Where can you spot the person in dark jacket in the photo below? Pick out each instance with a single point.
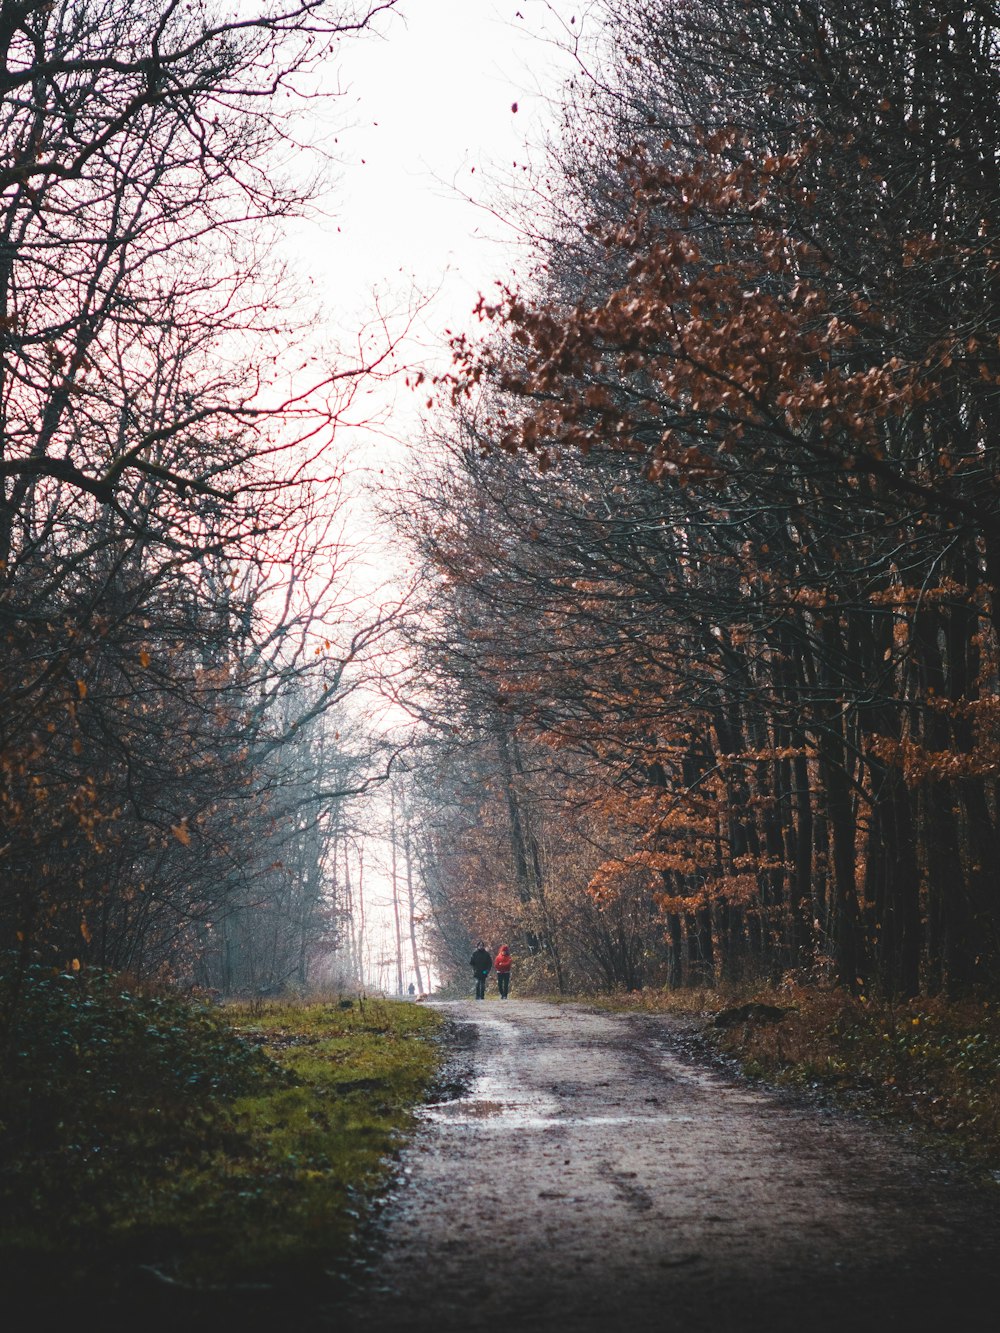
(481, 962)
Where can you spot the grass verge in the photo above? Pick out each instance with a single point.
(148, 1144)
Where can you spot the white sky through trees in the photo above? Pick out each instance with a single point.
(425, 135)
(428, 119)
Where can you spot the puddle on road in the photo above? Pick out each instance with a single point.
(462, 1110)
(500, 1103)
(471, 1111)
(511, 1116)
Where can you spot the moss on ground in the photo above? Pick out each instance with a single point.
(203, 1149)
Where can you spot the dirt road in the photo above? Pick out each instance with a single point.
(593, 1172)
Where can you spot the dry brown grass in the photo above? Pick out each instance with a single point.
(930, 1063)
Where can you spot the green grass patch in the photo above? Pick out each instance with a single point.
(202, 1148)
(320, 1148)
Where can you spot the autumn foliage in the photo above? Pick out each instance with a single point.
(170, 634)
(725, 474)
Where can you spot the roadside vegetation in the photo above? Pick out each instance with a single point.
(929, 1064)
(150, 1143)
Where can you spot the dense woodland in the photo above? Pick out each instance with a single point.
(705, 644)
(713, 559)
(693, 690)
(179, 635)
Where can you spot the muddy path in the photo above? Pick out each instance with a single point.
(591, 1171)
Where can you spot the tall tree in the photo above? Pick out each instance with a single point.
(739, 551)
(153, 473)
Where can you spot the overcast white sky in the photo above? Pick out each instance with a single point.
(427, 119)
(423, 128)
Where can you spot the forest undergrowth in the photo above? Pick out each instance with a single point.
(929, 1064)
(159, 1152)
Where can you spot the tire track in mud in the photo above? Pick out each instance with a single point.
(588, 1172)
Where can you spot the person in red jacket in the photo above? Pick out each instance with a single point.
(501, 965)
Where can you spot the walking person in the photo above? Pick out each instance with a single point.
(481, 962)
(502, 964)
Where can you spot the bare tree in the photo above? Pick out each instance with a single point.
(155, 474)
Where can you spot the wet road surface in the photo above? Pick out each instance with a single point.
(593, 1174)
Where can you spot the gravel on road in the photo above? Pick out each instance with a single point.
(592, 1171)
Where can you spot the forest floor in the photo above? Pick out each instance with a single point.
(592, 1170)
(801, 1161)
